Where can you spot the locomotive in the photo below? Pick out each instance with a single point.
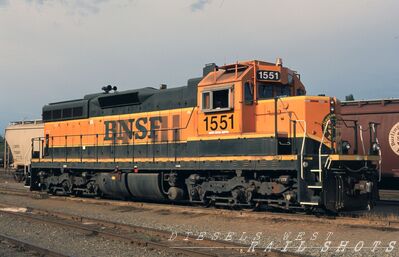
(242, 135)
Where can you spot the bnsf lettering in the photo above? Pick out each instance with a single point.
(123, 129)
(141, 129)
(155, 123)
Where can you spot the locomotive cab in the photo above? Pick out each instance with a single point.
(264, 107)
(230, 98)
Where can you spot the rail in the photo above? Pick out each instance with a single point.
(24, 244)
(151, 238)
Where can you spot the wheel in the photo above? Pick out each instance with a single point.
(66, 185)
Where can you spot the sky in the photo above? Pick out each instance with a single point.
(54, 50)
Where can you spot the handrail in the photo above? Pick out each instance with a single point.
(76, 138)
(379, 153)
(26, 162)
(29, 150)
(345, 120)
(361, 139)
(303, 143)
(321, 143)
(26, 122)
(78, 141)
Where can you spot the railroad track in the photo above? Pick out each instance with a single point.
(85, 225)
(363, 220)
(389, 195)
(16, 191)
(31, 247)
(137, 235)
(389, 202)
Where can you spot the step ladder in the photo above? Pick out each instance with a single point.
(318, 185)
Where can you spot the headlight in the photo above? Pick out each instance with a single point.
(332, 104)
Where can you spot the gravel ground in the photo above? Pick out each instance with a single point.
(66, 241)
(262, 232)
(9, 250)
(6, 176)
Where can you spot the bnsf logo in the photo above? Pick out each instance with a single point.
(140, 128)
(122, 129)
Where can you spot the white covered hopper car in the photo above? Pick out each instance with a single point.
(18, 145)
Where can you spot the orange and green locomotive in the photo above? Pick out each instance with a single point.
(243, 134)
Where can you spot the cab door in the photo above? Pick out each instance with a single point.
(248, 107)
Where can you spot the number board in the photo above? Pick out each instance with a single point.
(267, 75)
(221, 122)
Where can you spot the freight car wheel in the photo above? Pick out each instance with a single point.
(50, 190)
(19, 176)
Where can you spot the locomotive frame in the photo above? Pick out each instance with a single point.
(243, 134)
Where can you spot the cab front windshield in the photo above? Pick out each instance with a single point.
(271, 90)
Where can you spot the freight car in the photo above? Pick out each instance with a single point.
(386, 113)
(242, 135)
(17, 147)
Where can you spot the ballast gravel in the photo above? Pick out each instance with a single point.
(258, 235)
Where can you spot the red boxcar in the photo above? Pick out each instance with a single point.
(385, 112)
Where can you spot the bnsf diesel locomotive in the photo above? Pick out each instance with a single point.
(241, 135)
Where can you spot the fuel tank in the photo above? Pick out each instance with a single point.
(131, 185)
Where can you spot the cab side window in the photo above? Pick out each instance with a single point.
(283, 90)
(206, 100)
(220, 99)
(217, 100)
(265, 91)
(248, 93)
(300, 92)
